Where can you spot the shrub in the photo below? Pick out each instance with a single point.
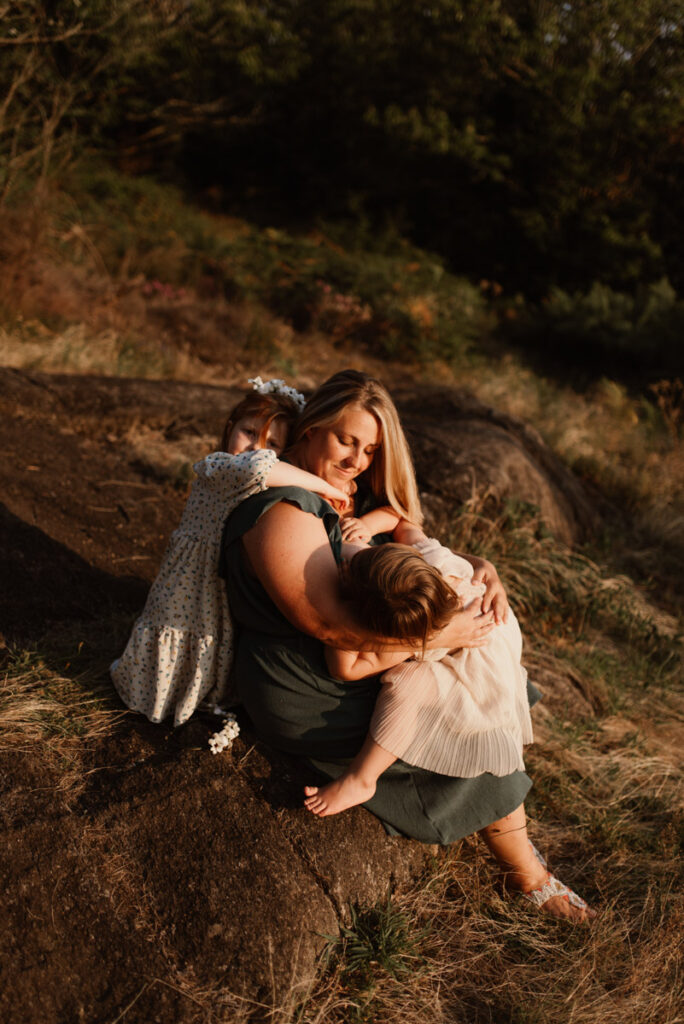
(633, 334)
(400, 303)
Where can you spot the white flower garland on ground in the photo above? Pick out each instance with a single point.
(223, 740)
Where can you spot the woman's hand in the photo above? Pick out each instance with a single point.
(354, 531)
(468, 628)
(494, 597)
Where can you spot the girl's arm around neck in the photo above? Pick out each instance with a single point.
(282, 474)
(381, 520)
(351, 665)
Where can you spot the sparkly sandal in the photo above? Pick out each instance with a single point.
(554, 887)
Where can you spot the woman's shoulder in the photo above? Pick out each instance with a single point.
(248, 512)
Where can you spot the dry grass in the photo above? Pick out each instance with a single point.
(165, 459)
(486, 958)
(560, 587)
(630, 448)
(608, 816)
(40, 704)
(81, 348)
(52, 720)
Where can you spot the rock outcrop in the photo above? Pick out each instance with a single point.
(164, 861)
(464, 449)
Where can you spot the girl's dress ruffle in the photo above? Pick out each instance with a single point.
(186, 669)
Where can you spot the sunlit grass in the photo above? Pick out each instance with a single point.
(58, 693)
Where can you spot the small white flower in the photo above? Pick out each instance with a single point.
(224, 739)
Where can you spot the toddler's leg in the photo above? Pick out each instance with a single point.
(355, 785)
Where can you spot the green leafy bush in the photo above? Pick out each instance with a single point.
(643, 331)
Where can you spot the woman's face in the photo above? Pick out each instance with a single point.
(342, 451)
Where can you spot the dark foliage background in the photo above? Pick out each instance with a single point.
(536, 144)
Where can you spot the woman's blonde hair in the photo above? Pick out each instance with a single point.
(397, 594)
(390, 475)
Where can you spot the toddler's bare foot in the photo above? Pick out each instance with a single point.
(345, 792)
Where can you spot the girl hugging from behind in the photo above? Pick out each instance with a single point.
(458, 713)
(180, 649)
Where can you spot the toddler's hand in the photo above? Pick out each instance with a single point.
(354, 531)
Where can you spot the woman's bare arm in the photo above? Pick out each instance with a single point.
(289, 552)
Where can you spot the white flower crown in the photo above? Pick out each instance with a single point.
(277, 387)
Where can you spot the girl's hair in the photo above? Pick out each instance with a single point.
(397, 594)
(271, 406)
(390, 475)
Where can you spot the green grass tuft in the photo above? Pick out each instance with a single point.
(378, 939)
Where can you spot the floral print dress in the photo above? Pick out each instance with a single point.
(181, 648)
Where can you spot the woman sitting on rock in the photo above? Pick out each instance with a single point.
(280, 556)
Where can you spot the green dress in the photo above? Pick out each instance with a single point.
(296, 705)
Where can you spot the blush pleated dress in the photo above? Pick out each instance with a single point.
(458, 714)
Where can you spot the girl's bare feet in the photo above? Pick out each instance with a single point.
(347, 791)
